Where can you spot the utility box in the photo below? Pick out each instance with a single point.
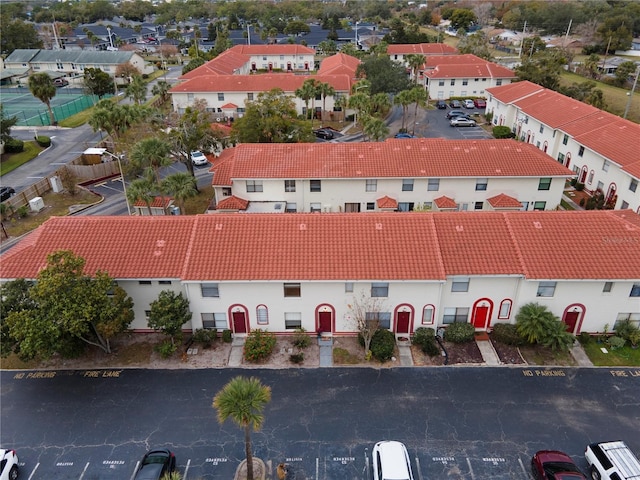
(36, 204)
(56, 184)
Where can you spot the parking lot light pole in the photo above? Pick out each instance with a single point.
(124, 184)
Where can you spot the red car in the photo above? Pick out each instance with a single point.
(554, 465)
(480, 103)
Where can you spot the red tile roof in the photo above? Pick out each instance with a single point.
(157, 202)
(472, 70)
(445, 202)
(504, 201)
(420, 48)
(387, 202)
(339, 63)
(232, 203)
(224, 64)
(340, 247)
(409, 158)
(288, 82)
(513, 91)
(434, 60)
(274, 49)
(553, 108)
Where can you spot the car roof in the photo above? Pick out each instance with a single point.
(393, 459)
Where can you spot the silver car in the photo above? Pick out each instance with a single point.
(462, 122)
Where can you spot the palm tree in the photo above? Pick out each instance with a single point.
(243, 400)
(420, 98)
(325, 90)
(404, 98)
(380, 104)
(533, 321)
(114, 118)
(341, 103)
(42, 87)
(415, 61)
(181, 186)
(161, 89)
(140, 189)
(151, 154)
(137, 89)
(361, 103)
(307, 92)
(375, 128)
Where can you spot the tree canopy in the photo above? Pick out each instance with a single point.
(97, 82)
(169, 313)
(65, 310)
(384, 75)
(42, 87)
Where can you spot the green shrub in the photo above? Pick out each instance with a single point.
(296, 358)
(584, 338)
(459, 332)
(383, 344)
(205, 337)
(624, 329)
(23, 211)
(423, 336)
(166, 348)
(226, 336)
(13, 145)
(43, 141)
(502, 131)
(431, 348)
(259, 345)
(507, 333)
(616, 342)
(579, 186)
(573, 182)
(301, 339)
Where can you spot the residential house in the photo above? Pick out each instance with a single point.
(399, 51)
(601, 148)
(402, 175)
(71, 64)
(284, 272)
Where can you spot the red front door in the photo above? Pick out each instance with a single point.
(324, 322)
(571, 319)
(402, 325)
(480, 317)
(239, 322)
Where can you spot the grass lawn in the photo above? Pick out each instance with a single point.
(614, 97)
(620, 357)
(11, 161)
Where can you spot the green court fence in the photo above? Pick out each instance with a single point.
(28, 116)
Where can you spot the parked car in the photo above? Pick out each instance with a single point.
(8, 464)
(324, 133)
(391, 461)
(456, 113)
(554, 465)
(612, 460)
(480, 103)
(441, 105)
(468, 103)
(455, 104)
(6, 193)
(404, 135)
(461, 121)
(61, 82)
(156, 464)
(198, 158)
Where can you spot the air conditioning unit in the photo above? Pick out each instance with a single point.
(36, 204)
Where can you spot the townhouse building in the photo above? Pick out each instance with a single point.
(601, 149)
(283, 272)
(395, 175)
(399, 51)
(71, 64)
(228, 81)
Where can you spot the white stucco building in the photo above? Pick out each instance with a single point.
(602, 149)
(282, 272)
(403, 175)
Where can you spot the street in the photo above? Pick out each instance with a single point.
(457, 422)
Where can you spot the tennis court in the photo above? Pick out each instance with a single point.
(30, 111)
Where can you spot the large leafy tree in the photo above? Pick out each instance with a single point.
(271, 118)
(476, 44)
(384, 74)
(68, 307)
(42, 87)
(14, 297)
(243, 401)
(97, 82)
(462, 18)
(16, 34)
(5, 124)
(543, 68)
(169, 313)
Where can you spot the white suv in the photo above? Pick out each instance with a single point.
(391, 461)
(198, 158)
(612, 460)
(8, 464)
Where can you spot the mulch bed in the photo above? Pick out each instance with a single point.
(508, 354)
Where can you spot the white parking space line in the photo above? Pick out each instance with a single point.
(186, 470)
(135, 470)
(473, 475)
(84, 471)
(33, 472)
(524, 470)
(317, 468)
(419, 469)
